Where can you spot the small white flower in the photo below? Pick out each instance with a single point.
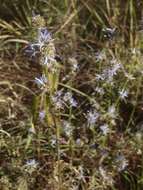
(123, 94)
(41, 82)
(105, 129)
(111, 109)
(68, 98)
(42, 115)
(32, 130)
(79, 142)
(100, 77)
(99, 90)
(57, 100)
(73, 102)
(112, 112)
(115, 66)
(58, 104)
(32, 163)
(109, 72)
(75, 67)
(53, 140)
(92, 117)
(115, 69)
(67, 128)
(100, 56)
(121, 162)
(74, 64)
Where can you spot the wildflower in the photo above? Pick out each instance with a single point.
(41, 82)
(99, 90)
(74, 64)
(42, 115)
(58, 103)
(73, 102)
(68, 98)
(108, 73)
(30, 166)
(59, 93)
(79, 142)
(32, 130)
(112, 111)
(53, 140)
(66, 77)
(115, 69)
(92, 117)
(123, 94)
(75, 67)
(43, 36)
(105, 129)
(116, 65)
(67, 128)
(57, 100)
(99, 77)
(100, 56)
(121, 162)
(32, 163)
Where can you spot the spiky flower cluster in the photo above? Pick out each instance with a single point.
(61, 99)
(109, 72)
(44, 46)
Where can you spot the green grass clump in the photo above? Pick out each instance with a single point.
(71, 98)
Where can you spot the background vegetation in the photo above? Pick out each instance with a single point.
(83, 129)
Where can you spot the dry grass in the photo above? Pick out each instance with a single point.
(68, 149)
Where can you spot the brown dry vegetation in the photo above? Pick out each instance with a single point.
(87, 159)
